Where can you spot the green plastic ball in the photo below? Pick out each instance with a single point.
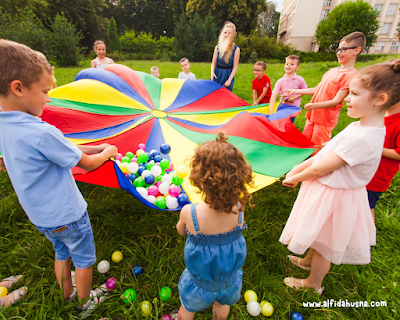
(129, 296)
(161, 202)
(150, 165)
(126, 159)
(138, 182)
(164, 164)
(165, 293)
(129, 155)
(176, 180)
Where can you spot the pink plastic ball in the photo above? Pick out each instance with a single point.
(170, 168)
(111, 283)
(142, 146)
(174, 191)
(134, 160)
(152, 191)
(158, 183)
(165, 317)
(119, 156)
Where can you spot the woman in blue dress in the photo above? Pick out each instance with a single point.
(226, 56)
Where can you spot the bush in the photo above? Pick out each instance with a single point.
(115, 44)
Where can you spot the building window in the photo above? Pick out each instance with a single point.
(378, 7)
(327, 3)
(380, 45)
(391, 10)
(395, 45)
(324, 14)
(385, 28)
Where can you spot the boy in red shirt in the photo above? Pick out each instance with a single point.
(261, 85)
(390, 161)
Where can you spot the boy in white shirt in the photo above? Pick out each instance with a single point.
(186, 74)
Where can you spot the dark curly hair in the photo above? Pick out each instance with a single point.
(219, 170)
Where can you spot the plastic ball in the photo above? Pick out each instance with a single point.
(149, 179)
(119, 156)
(137, 270)
(103, 266)
(164, 164)
(145, 308)
(129, 296)
(183, 199)
(250, 295)
(118, 163)
(143, 157)
(296, 316)
(132, 177)
(134, 160)
(163, 188)
(172, 203)
(165, 148)
(111, 283)
(266, 308)
(161, 202)
(152, 190)
(124, 167)
(3, 291)
(170, 168)
(174, 191)
(151, 199)
(142, 191)
(156, 170)
(142, 146)
(154, 152)
(253, 308)
(165, 317)
(182, 171)
(157, 158)
(145, 173)
(133, 167)
(138, 182)
(150, 165)
(125, 159)
(129, 155)
(157, 184)
(165, 293)
(117, 256)
(176, 180)
(139, 152)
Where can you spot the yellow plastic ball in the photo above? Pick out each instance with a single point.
(3, 291)
(181, 171)
(124, 167)
(139, 152)
(117, 256)
(266, 308)
(250, 295)
(145, 308)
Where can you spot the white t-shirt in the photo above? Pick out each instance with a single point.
(190, 76)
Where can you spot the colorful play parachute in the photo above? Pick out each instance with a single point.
(124, 107)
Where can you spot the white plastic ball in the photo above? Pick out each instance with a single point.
(103, 266)
(118, 162)
(145, 173)
(172, 202)
(142, 191)
(156, 171)
(253, 308)
(166, 178)
(151, 199)
(163, 188)
(133, 167)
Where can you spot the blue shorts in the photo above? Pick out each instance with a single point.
(74, 240)
(373, 198)
(195, 296)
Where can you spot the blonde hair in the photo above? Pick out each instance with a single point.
(183, 60)
(97, 42)
(154, 68)
(225, 47)
(19, 62)
(262, 64)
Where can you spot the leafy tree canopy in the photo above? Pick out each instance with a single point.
(268, 21)
(345, 18)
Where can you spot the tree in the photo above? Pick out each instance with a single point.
(345, 18)
(243, 13)
(115, 44)
(268, 21)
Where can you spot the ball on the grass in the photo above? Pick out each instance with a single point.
(129, 296)
(137, 270)
(266, 308)
(145, 308)
(103, 266)
(296, 316)
(165, 317)
(111, 283)
(165, 293)
(3, 291)
(250, 295)
(253, 308)
(117, 256)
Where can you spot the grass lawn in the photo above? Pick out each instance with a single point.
(149, 238)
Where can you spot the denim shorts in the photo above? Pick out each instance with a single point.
(373, 198)
(195, 297)
(74, 240)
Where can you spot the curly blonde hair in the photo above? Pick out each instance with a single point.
(220, 171)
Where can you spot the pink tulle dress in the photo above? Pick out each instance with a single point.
(331, 214)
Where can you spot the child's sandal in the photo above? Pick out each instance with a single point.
(17, 295)
(12, 280)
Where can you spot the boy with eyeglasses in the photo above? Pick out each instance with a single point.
(261, 85)
(326, 103)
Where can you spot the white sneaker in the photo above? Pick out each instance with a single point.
(96, 297)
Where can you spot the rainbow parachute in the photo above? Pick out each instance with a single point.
(124, 107)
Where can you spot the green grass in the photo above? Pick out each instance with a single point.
(148, 237)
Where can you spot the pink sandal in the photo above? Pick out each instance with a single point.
(12, 280)
(296, 261)
(17, 295)
(289, 281)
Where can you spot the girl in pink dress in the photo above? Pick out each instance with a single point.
(331, 215)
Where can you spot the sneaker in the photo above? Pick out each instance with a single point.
(96, 297)
(174, 314)
(72, 297)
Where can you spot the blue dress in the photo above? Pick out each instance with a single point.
(213, 267)
(224, 70)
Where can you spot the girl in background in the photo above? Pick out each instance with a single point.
(226, 56)
(101, 61)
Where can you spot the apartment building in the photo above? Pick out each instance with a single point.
(299, 19)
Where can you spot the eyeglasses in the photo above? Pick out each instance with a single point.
(257, 70)
(343, 50)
